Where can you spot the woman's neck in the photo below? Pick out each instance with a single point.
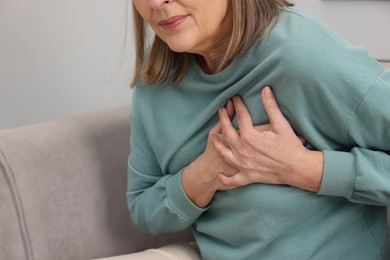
(210, 60)
(207, 65)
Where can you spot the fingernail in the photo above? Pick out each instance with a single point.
(267, 91)
(219, 111)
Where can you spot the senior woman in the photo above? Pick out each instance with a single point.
(303, 177)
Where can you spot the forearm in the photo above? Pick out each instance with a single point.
(360, 175)
(158, 205)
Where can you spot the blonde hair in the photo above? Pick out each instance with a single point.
(250, 19)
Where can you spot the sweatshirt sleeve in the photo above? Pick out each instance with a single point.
(157, 203)
(362, 174)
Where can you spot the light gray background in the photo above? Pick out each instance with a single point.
(365, 23)
(60, 58)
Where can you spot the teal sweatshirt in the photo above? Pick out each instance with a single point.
(331, 92)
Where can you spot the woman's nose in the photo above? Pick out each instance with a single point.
(158, 4)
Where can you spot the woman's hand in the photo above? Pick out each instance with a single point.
(200, 178)
(269, 153)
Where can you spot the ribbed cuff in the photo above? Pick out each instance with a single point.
(339, 174)
(179, 201)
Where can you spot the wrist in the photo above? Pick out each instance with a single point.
(308, 171)
(199, 188)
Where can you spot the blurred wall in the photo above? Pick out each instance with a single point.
(363, 22)
(60, 58)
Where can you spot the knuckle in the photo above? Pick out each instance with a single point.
(246, 138)
(252, 178)
(247, 165)
(234, 182)
(269, 104)
(224, 154)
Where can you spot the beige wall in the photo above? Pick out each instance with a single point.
(59, 58)
(363, 22)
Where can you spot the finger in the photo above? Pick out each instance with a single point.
(236, 180)
(226, 180)
(229, 132)
(302, 140)
(231, 112)
(275, 116)
(244, 118)
(216, 129)
(224, 151)
(230, 109)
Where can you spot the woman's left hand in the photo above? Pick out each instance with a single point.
(270, 153)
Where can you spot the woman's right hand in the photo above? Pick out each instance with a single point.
(200, 178)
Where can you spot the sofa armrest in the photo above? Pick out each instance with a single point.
(62, 190)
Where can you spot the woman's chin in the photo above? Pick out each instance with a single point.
(180, 48)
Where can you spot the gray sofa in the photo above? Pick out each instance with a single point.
(62, 190)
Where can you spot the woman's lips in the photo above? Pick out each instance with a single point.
(173, 22)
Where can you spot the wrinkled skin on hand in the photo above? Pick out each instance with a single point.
(270, 153)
